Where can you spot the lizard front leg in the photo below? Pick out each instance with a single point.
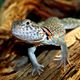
(36, 66)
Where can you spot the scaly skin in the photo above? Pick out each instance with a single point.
(49, 32)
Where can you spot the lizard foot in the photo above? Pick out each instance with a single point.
(37, 69)
(62, 60)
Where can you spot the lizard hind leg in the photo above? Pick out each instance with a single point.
(63, 56)
(64, 52)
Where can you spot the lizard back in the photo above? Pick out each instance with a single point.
(55, 27)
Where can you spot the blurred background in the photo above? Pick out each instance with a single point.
(11, 48)
(1, 2)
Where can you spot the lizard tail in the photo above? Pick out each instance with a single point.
(70, 23)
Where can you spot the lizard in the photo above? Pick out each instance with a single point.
(49, 32)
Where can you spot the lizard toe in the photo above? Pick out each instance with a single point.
(37, 69)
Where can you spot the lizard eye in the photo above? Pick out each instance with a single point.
(27, 23)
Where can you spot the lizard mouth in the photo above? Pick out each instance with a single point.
(15, 33)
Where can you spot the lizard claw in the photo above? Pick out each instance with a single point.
(37, 69)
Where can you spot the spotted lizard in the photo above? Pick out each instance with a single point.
(49, 32)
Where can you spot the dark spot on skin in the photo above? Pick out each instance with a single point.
(22, 24)
(23, 32)
(26, 33)
(26, 28)
(23, 29)
(30, 27)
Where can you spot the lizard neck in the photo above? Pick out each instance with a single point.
(48, 33)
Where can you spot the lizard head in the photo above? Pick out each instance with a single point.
(27, 30)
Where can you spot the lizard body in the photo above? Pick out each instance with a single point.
(49, 32)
